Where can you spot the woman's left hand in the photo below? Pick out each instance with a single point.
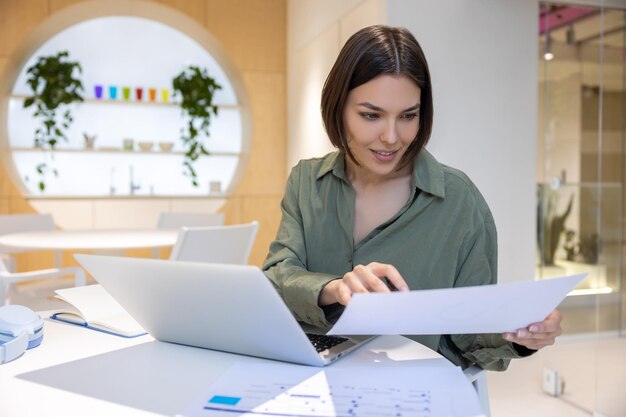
(538, 335)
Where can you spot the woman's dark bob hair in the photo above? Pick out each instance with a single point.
(370, 52)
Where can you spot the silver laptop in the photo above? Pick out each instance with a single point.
(231, 308)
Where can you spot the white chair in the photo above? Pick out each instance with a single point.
(217, 244)
(478, 377)
(16, 223)
(178, 220)
(7, 277)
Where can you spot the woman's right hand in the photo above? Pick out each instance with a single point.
(363, 278)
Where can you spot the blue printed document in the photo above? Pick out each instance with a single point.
(287, 390)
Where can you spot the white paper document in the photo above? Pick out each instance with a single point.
(480, 309)
(282, 390)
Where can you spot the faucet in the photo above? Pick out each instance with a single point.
(133, 187)
(112, 181)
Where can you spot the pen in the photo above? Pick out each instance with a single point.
(389, 284)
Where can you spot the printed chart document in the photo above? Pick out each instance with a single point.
(480, 309)
(93, 307)
(301, 391)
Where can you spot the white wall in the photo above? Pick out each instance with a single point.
(316, 31)
(483, 61)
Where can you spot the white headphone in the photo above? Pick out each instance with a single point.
(20, 329)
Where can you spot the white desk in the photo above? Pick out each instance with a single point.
(80, 372)
(90, 239)
(112, 242)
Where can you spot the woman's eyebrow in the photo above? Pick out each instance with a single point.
(376, 108)
(414, 107)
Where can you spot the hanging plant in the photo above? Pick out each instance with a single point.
(196, 89)
(54, 88)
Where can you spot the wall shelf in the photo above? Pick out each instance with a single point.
(115, 151)
(94, 172)
(91, 100)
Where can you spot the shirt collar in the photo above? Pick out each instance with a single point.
(427, 172)
(334, 162)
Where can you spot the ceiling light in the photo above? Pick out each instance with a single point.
(548, 55)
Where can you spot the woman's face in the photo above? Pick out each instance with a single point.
(381, 118)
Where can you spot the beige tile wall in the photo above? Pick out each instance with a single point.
(253, 33)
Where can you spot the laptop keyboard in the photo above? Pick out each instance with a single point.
(322, 342)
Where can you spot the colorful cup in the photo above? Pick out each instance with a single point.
(126, 93)
(165, 95)
(98, 91)
(112, 92)
(152, 94)
(138, 93)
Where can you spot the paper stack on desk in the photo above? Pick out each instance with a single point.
(481, 309)
(262, 390)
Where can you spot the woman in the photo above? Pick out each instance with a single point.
(381, 213)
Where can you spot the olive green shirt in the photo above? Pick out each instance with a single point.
(443, 237)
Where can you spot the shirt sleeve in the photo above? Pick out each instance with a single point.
(286, 262)
(478, 266)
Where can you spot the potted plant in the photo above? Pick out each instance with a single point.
(54, 87)
(196, 89)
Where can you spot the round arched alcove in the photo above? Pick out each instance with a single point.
(129, 57)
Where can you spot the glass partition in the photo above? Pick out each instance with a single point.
(581, 169)
(581, 174)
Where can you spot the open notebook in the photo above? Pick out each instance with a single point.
(93, 307)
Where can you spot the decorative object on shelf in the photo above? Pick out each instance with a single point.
(166, 146)
(550, 225)
(138, 93)
(570, 245)
(54, 88)
(152, 94)
(126, 93)
(128, 144)
(112, 92)
(590, 248)
(98, 91)
(215, 187)
(145, 146)
(196, 89)
(165, 95)
(585, 250)
(90, 140)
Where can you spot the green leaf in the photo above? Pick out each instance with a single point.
(196, 88)
(54, 86)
